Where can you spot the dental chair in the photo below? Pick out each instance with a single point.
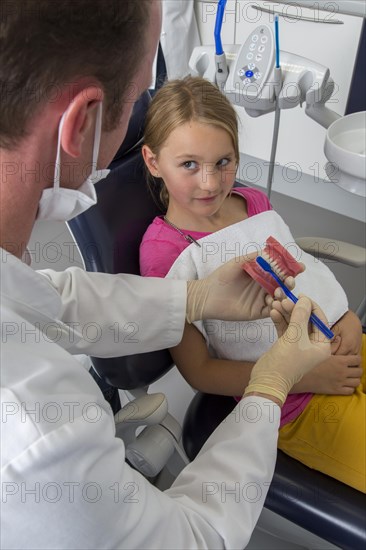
(108, 237)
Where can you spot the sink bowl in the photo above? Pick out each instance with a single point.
(344, 147)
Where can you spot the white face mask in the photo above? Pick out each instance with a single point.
(61, 204)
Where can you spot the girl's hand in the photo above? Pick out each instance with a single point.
(300, 347)
(340, 374)
(337, 375)
(348, 335)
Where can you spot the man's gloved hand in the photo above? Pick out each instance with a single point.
(229, 294)
(301, 346)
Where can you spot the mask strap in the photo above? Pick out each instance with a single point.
(56, 178)
(97, 135)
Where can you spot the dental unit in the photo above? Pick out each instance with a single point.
(261, 78)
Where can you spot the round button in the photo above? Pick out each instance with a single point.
(264, 39)
(255, 38)
(249, 74)
(252, 47)
(258, 57)
(251, 66)
(261, 49)
(250, 56)
(257, 76)
(241, 72)
(247, 81)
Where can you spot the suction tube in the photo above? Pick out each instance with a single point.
(220, 57)
(218, 25)
(277, 38)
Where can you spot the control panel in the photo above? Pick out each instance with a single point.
(255, 62)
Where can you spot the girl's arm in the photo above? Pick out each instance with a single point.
(227, 377)
(341, 373)
(202, 372)
(337, 375)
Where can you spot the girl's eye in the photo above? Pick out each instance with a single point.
(190, 165)
(223, 162)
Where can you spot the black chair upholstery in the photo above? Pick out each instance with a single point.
(316, 502)
(135, 132)
(108, 236)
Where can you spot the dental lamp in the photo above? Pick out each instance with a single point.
(259, 77)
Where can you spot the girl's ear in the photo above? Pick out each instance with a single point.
(150, 160)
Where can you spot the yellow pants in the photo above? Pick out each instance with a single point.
(330, 434)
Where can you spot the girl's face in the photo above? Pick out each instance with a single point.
(198, 165)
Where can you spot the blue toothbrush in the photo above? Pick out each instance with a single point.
(313, 318)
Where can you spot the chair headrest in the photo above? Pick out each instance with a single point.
(135, 130)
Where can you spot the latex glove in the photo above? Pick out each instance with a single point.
(229, 294)
(301, 346)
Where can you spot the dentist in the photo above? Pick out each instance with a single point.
(69, 71)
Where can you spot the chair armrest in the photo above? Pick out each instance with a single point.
(332, 249)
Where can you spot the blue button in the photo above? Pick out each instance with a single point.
(249, 74)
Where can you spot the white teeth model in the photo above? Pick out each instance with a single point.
(274, 265)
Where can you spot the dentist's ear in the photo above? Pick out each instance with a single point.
(150, 160)
(80, 118)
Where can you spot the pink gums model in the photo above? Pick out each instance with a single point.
(281, 261)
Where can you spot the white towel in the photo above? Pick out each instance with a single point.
(249, 340)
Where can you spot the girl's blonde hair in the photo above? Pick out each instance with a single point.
(182, 101)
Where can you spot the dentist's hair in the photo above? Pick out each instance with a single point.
(47, 44)
(182, 101)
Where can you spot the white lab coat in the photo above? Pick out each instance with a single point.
(179, 35)
(65, 483)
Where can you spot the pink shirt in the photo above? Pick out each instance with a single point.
(162, 244)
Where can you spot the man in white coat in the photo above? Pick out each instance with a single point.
(179, 20)
(64, 480)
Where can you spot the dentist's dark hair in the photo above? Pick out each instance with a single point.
(47, 44)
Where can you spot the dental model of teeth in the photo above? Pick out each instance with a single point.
(281, 261)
